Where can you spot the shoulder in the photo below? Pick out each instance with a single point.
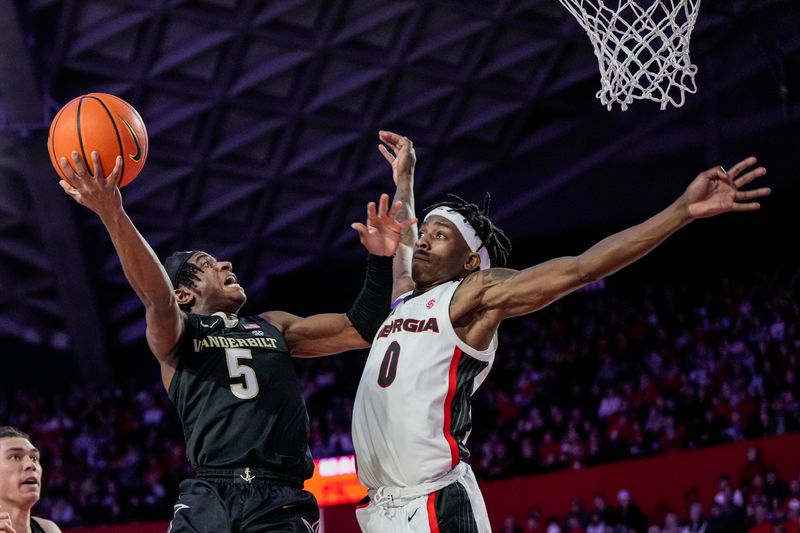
(279, 319)
(480, 280)
(48, 525)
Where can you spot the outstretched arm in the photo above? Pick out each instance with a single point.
(165, 321)
(331, 333)
(400, 154)
(495, 294)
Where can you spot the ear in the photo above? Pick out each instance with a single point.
(184, 296)
(473, 263)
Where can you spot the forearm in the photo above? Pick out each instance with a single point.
(623, 248)
(139, 262)
(371, 307)
(402, 260)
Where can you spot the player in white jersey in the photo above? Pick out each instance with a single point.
(411, 417)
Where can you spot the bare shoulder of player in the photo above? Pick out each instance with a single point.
(470, 293)
(48, 525)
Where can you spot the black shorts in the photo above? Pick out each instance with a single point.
(233, 504)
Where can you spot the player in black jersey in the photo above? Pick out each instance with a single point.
(230, 376)
(20, 484)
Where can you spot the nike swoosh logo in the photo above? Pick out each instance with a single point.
(412, 514)
(138, 155)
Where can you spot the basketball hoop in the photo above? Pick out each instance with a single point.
(642, 47)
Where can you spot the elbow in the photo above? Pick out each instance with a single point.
(584, 272)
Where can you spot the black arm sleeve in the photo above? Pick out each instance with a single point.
(372, 304)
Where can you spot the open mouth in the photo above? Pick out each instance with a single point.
(231, 281)
(30, 481)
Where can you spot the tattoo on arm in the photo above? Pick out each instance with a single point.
(497, 275)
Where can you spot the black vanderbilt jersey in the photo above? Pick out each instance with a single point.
(239, 398)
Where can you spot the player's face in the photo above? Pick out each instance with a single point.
(20, 472)
(440, 253)
(218, 288)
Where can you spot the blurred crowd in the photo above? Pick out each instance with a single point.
(755, 501)
(601, 376)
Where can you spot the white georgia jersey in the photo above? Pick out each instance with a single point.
(411, 417)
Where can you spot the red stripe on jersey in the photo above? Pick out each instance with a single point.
(448, 404)
(433, 523)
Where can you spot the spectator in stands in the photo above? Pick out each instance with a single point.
(510, 524)
(629, 513)
(761, 520)
(776, 490)
(697, 522)
(792, 520)
(608, 515)
(20, 484)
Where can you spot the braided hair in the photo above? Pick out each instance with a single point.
(187, 276)
(492, 237)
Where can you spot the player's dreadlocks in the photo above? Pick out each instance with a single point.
(187, 276)
(492, 237)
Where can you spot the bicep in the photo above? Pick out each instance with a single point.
(322, 334)
(514, 293)
(164, 331)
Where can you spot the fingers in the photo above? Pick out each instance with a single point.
(750, 176)
(397, 142)
(389, 137)
(383, 208)
(744, 196)
(96, 163)
(408, 223)
(361, 229)
(739, 167)
(113, 178)
(6, 526)
(395, 210)
(389, 157)
(80, 166)
(749, 206)
(67, 169)
(70, 190)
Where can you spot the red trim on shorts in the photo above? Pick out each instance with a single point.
(433, 523)
(363, 505)
(448, 404)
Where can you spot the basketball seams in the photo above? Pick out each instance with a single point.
(82, 126)
(80, 135)
(116, 131)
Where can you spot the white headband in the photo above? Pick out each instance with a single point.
(467, 231)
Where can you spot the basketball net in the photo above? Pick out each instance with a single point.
(643, 52)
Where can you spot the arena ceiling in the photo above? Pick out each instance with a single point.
(263, 120)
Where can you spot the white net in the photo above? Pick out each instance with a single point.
(642, 47)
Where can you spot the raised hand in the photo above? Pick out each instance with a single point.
(98, 193)
(717, 191)
(381, 235)
(402, 156)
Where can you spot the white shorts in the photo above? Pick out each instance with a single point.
(453, 504)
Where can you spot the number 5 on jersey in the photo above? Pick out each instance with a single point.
(249, 390)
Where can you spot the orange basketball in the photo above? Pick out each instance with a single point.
(103, 123)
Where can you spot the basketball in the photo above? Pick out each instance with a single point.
(103, 123)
